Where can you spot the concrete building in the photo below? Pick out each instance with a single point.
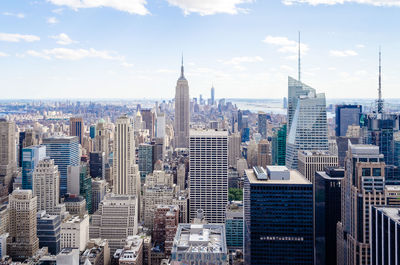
(199, 244)
(310, 162)
(77, 128)
(75, 232)
(22, 242)
(3, 245)
(8, 159)
(182, 112)
(102, 139)
(149, 119)
(98, 192)
(75, 204)
(285, 197)
(181, 176)
(264, 153)
(160, 125)
(115, 220)
(131, 253)
(234, 149)
(392, 195)
(68, 256)
(97, 252)
(208, 169)
(166, 219)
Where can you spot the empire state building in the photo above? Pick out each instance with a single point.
(182, 111)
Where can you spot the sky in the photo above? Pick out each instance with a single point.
(244, 48)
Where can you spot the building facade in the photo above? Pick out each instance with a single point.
(182, 112)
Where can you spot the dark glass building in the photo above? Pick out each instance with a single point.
(327, 203)
(97, 164)
(48, 231)
(346, 115)
(278, 217)
(262, 124)
(279, 146)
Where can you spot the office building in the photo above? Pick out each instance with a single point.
(263, 153)
(115, 220)
(64, 150)
(208, 169)
(392, 195)
(30, 158)
(313, 161)
(278, 151)
(327, 203)
(75, 204)
(8, 159)
(131, 253)
(160, 126)
(97, 161)
(262, 124)
(3, 245)
(80, 183)
(68, 256)
(234, 225)
(385, 235)
(124, 154)
(97, 252)
(75, 232)
(362, 187)
(212, 97)
(98, 193)
(48, 231)
(234, 154)
(307, 122)
(166, 220)
(273, 199)
(102, 139)
(23, 241)
(145, 159)
(149, 119)
(343, 145)
(199, 244)
(4, 219)
(182, 112)
(77, 128)
(92, 131)
(346, 115)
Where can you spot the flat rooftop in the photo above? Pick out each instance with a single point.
(391, 211)
(295, 178)
(316, 153)
(208, 133)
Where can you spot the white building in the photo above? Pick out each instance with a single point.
(98, 192)
(73, 179)
(75, 232)
(208, 169)
(3, 245)
(160, 125)
(68, 256)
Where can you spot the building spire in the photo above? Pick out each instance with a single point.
(380, 100)
(299, 62)
(182, 70)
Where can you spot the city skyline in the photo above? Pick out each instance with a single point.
(132, 48)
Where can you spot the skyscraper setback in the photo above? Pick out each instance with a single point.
(182, 111)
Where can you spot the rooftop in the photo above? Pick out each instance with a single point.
(295, 177)
(316, 153)
(393, 212)
(204, 133)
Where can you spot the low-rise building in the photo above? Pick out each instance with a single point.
(75, 232)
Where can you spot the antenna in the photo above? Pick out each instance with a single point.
(299, 63)
(380, 100)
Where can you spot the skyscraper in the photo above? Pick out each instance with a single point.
(23, 241)
(279, 146)
(278, 217)
(208, 169)
(149, 118)
(263, 153)
(102, 138)
(8, 159)
(97, 161)
(124, 154)
(346, 115)
(312, 161)
(212, 95)
(48, 231)
(30, 158)
(307, 126)
(64, 150)
(145, 158)
(77, 128)
(262, 124)
(182, 112)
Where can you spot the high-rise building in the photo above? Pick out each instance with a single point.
(97, 161)
(102, 138)
(23, 241)
(77, 128)
(30, 158)
(208, 169)
(346, 115)
(46, 186)
(278, 217)
(8, 159)
(313, 161)
(160, 126)
(234, 225)
(262, 124)
(166, 219)
(279, 146)
(75, 232)
(149, 118)
(92, 131)
(385, 235)
(233, 149)
(145, 159)
(48, 231)
(98, 193)
(80, 183)
(327, 203)
(263, 153)
(212, 97)
(124, 154)
(64, 150)
(115, 220)
(182, 112)
(362, 187)
(308, 129)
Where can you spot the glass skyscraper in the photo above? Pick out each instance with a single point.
(65, 152)
(279, 146)
(30, 158)
(346, 115)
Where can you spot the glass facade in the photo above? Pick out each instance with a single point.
(145, 155)
(48, 232)
(279, 146)
(234, 233)
(85, 187)
(346, 115)
(30, 158)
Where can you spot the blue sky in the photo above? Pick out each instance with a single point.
(246, 48)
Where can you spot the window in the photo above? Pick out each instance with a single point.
(376, 172)
(366, 172)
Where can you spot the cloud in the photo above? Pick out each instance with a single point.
(2, 54)
(130, 6)
(210, 7)
(286, 46)
(244, 59)
(58, 11)
(286, 68)
(52, 20)
(18, 15)
(345, 53)
(335, 2)
(360, 46)
(75, 54)
(127, 65)
(18, 37)
(63, 39)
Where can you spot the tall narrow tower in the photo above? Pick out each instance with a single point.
(380, 100)
(182, 114)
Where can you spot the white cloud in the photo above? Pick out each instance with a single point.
(10, 37)
(210, 7)
(286, 68)
(345, 53)
(335, 2)
(18, 15)
(58, 11)
(244, 59)
(52, 20)
(286, 46)
(280, 41)
(130, 6)
(360, 46)
(75, 54)
(2, 54)
(127, 65)
(63, 39)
